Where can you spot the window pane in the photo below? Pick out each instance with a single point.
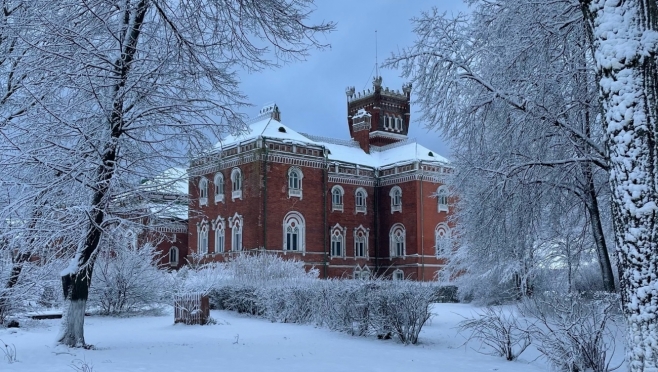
(288, 243)
(294, 242)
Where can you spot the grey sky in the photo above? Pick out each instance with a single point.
(311, 94)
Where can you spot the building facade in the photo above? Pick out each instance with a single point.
(372, 205)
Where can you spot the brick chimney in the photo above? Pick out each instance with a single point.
(361, 129)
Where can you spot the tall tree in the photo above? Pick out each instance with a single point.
(126, 89)
(515, 74)
(625, 41)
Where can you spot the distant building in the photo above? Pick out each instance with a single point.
(375, 204)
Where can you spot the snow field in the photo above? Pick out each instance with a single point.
(242, 343)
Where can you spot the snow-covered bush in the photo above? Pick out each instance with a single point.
(126, 278)
(197, 278)
(243, 299)
(402, 307)
(267, 268)
(573, 333)
(506, 333)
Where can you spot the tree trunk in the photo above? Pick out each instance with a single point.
(597, 232)
(625, 35)
(76, 283)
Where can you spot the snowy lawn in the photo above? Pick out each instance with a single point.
(241, 343)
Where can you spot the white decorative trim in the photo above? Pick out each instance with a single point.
(237, 183)
(337, 234)
(219, 226)
(295, 191)
(294, 220)
(442, 239)
(360, 208)
(337, 206)
(442, 198)
(236, 223)
(352, 180)
(365, 234)
(395, 193)
(397, 234)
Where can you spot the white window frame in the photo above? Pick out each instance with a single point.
(173, 251)
(337, 234)
(237, 183)
(442, 199)
(397, 234)
(295, 172)
(218, 181)
(442, 239)
(236, 224)
(363, 207)
(365, 273)
(294, 220)
(398, 124)
(202, 237)
(219, 226)
(361, 233)
(203, 191)
(396, 199)
(398, 275)
(337, 189)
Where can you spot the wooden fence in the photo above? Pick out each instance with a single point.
(191, 308)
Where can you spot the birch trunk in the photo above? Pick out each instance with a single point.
(625, 35)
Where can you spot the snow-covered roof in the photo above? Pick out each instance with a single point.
(388, 155)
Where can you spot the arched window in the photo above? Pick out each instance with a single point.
(173, 256)
(236, 181)
(295, 176)
(360, 200)
(235, 223)
(442, 198)
(398, 123)
(396, 199)
(219, 188)
(337, 241)
(442, 239)
(202, 228)
(397, 240)
(337, 193)
(220, 234)
(361, 241)
(203, 191)
(398, 275)
(294, 232)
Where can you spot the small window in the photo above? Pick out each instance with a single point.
(398, 275)
(337, 193)
(337, 241)
(295, 176)
(173, 256)
(219, 188)
(294, 230)
(203, 191)
(442, 238)
(282, 129)
(442, 199)
(396, 199)
(236, 232)
(203, 238)
(360, 200)
(397, 240)
(220, 234)
(236, 181)
(361, 242)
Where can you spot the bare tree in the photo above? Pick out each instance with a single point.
(511, 87)
(126, 89)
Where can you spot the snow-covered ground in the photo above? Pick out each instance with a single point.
(241, 343)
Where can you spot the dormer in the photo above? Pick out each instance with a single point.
(389, 113)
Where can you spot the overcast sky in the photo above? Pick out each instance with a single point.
(311, 94)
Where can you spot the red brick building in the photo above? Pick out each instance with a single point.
(375, 204)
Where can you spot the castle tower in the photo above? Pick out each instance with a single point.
(388, 114)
